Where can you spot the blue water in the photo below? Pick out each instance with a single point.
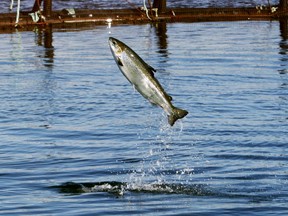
(77, 139)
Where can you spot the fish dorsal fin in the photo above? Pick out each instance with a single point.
(151, 70)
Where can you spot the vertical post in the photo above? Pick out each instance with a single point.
(161, 5)
(283, 5)
(36, 6)
(47, 8)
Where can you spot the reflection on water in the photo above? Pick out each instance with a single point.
(283, 46)
(16, 51)
(44, 37)
(161, 33)
(283, 71)
(49, 49)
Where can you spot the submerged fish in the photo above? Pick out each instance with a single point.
(141, 76)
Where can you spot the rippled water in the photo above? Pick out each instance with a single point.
(76, 139)
(104, 4)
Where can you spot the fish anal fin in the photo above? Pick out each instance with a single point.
(169, 97)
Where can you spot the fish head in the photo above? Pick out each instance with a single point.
(117, 49)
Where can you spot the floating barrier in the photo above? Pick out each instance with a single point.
(71, 17)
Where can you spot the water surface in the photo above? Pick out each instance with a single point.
(76, 139)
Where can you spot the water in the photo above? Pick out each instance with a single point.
(76, 139)
(104, 4)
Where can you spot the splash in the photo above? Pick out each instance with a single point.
(157, 172)
(157, 167)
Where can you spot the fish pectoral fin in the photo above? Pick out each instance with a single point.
(119, 62)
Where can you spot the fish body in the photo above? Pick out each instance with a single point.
(141, 76)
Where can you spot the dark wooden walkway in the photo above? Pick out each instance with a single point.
(61, 19)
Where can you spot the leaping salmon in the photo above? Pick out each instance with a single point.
(141, 76)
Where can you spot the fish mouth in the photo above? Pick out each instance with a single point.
(116, 50)
(113, 43)
(119, 47)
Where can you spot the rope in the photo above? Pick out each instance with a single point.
(135, 7)
(18, 13)
(146, 10)
(11, 5)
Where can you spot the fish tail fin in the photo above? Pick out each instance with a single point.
(176, 114)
